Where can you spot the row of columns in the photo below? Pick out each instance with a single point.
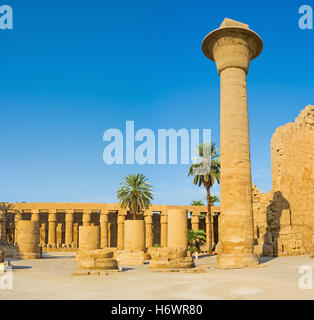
(104, 220)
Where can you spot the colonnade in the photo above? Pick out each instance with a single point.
(55, 233)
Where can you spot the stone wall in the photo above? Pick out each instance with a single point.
(284, 217)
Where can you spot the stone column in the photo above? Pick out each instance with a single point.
(134, 235)
(89, 238)
(121, 219)
(3, 229)
(28, 240)
(52, 224)
(86, 218)
(35, 216)
(195, 220)
(17, 218)
(177, 228)
(148, 229)
(164, 229)
(69, 219)
(104, 218)
(42, 234)
(232, 46)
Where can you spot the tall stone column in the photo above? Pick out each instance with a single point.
(195, 220)
(52, 224)
(164, 229)
(148, 229)
(104, 218)
(232, 46)
(86, 218)
(121, 219)
(69, 219)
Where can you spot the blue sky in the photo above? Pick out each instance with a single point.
(72, 69)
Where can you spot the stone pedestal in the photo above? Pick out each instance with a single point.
(89, 238)
(169, 258)
(130, 257)
(175, 255)
(101, 259)
(28, 240)
(232, 46)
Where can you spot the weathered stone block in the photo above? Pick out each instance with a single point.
(101, 259)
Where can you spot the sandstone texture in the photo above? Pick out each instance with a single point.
(169, 258)
(284, 217)
(101, 259)
(232, 47)
(130, 257)
(27, 241)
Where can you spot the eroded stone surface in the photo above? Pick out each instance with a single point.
(169, 258)
(101, 259)
(284, 217)
(130, 257)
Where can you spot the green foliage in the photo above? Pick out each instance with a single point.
(157, 245)
(196, 239)
(197, 203)
(214, 199)
(135, 193)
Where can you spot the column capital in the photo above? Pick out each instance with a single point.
(163, 218)
(69, 215)
(122, 212)
(148, 219)
(104, 217)
(121, 219)
(52, 216)
(148, 213)
(233, 44)
(196, 213)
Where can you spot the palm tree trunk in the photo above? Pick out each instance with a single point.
(209, 216)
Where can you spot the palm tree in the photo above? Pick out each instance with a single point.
(206, 172)
(195, 240)
(214, 199)
(135, 193)
(197, 203)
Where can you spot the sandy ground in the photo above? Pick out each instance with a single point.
(49, 278)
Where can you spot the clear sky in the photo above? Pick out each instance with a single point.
(72, 69)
